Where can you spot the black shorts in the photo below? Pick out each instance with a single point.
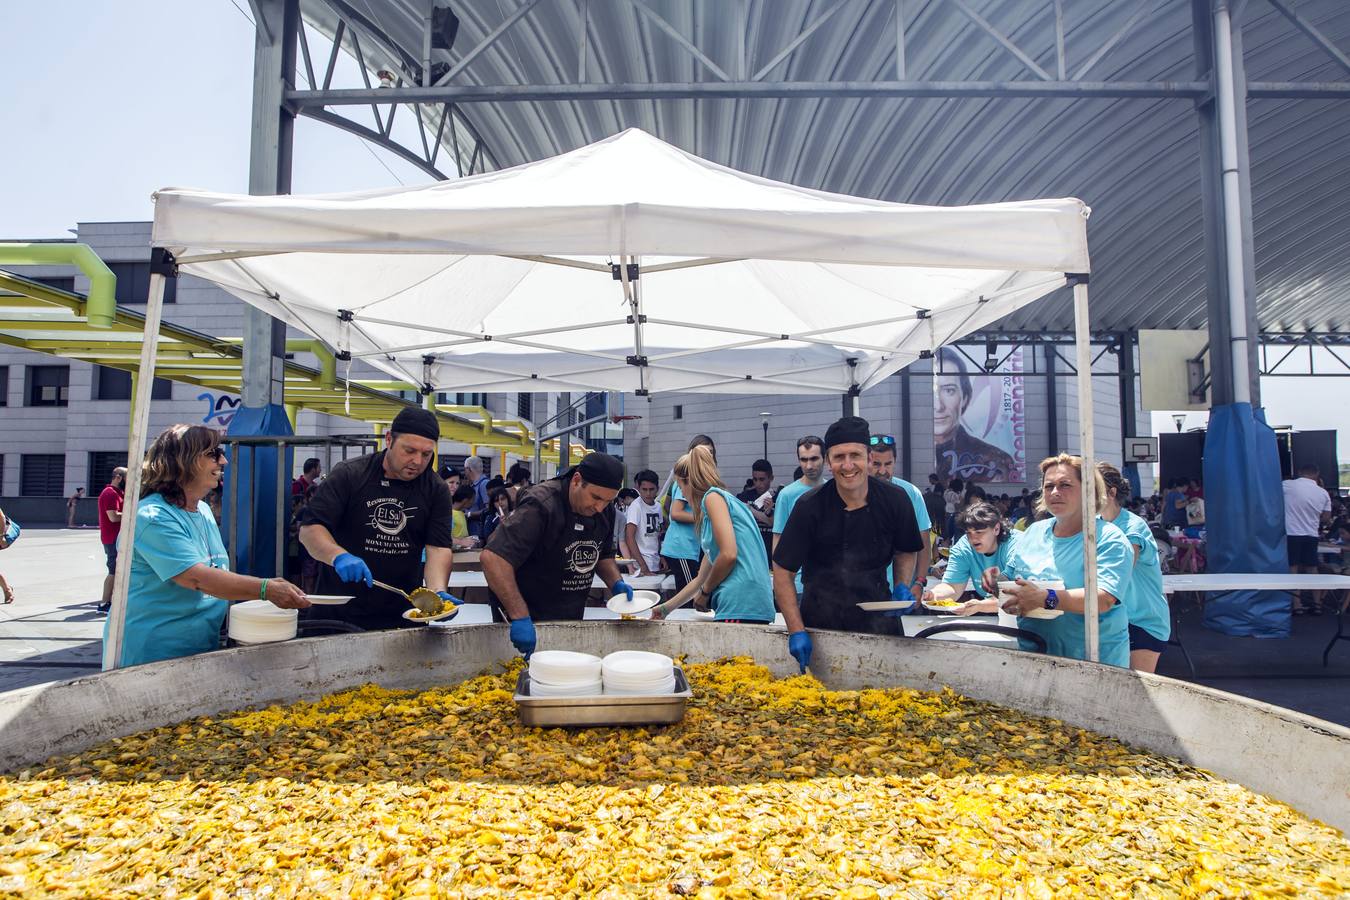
(1142, 640)
(110, 554)
(1302, 550)
(684, 570)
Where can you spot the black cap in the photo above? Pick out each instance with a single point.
(848, 430)
(601, 470)
(421, 422)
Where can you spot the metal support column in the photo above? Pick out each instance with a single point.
(907, 452)
(1129, 421)
(269, 172)
(1051, 401)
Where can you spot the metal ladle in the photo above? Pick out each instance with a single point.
(425, 599)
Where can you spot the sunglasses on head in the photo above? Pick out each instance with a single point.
(881, 440)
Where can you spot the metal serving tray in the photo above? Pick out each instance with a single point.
(601, 709)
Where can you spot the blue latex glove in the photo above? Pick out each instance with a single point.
(353, 568)
(522, 635)
(621, 587)
(449, 597)
(799, 645)
(901, 594)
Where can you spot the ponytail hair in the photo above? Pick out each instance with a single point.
(698, 469)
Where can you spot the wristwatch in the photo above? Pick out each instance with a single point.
(701, 607)
(1051, 598)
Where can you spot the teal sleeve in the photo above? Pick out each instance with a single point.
(921, 512)
(1115, 563)
(781, 511)
(163, 542)
(958, 564)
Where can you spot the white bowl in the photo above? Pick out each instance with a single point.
(664, 687)
(584, 689)
(637, 665)
(564, 667)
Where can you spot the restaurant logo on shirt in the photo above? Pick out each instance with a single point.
(582, 556)
(388, 516)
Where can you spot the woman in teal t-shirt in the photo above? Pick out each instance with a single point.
(733, 578)
(1052, 550)
(680, 547)
(180, 583)
(986, 544)
(1145, 603)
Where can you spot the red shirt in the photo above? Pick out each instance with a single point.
(110, 498)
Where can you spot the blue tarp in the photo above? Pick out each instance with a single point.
(1244, 521)
(253, 530)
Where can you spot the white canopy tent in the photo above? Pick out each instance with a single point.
(628, 265)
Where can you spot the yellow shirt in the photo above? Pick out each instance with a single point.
(459, 524)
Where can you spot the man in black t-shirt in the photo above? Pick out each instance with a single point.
(540, 560)
(761, 484)
(842, 536)
(372, 518)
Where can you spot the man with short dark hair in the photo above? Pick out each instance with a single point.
(843, 535)
(759, 497)
(109, 527)
(881, 464)
(643, 523)
(1307, 507)
(811, 464)
(473, 475)
(373, 517)
(540, 560)
(309, 474)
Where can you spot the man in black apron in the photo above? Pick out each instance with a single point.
(843, 535)
(540, 560)
(373, 517)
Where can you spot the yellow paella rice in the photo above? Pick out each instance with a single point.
(769, 788)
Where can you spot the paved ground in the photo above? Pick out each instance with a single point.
(52, 632)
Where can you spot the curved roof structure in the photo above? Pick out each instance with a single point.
(785, 89)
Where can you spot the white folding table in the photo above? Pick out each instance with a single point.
(915, 624)
(1255, 581)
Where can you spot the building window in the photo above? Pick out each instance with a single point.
(42, 474)
(115, 384)
(525, 406)
(133, 283)
(101, 465)
(4, 385)
(48, 385)
(679, 411)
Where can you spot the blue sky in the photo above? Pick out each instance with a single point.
(106, 102)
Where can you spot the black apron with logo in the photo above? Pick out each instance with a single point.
(855, 573)
(556, 580)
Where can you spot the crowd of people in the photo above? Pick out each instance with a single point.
(845, 530)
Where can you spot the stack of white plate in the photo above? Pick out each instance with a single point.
(562, 673)
(637, 672)
(259, 622)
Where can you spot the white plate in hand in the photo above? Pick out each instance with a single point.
(1042, 613)
(641, 602)
(327, 599)
(886, 605)
(411, 615)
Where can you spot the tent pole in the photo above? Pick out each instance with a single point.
(140, 426)
(1225, 79)
(1082, 342)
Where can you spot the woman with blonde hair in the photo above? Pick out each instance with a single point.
(1052, 551)
(733, 578)
(180, 583)
(1145, 603)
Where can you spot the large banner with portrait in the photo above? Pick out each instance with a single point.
(979, 425)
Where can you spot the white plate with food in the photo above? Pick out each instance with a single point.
(886, 605)
(327, 599)
(416, 615)
(941, 606)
